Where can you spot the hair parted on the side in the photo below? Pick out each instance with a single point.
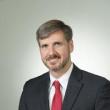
(51, 26)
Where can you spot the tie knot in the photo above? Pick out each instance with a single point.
(56, 84)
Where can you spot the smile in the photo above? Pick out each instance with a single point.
(53, 61)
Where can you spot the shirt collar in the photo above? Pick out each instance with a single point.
(63, 79)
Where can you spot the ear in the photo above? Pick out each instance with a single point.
(71, 45)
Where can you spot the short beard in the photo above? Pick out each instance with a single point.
(58, 68)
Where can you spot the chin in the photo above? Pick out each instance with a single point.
(55, 68)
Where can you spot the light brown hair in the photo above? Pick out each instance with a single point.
(51, 26)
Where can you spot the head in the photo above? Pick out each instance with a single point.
(55, 41)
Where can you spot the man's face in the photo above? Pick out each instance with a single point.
(55, 51)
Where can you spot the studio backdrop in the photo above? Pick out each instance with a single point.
(19, 52)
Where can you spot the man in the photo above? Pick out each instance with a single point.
(65, 86)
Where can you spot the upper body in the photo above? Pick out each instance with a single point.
(84, 91)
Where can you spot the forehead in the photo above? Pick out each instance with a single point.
(54, 37)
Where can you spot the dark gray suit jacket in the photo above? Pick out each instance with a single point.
(85, 91)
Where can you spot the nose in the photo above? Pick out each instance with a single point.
(51, 50)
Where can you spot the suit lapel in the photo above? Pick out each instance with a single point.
(73, 89)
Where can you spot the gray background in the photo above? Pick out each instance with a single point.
(19, 52)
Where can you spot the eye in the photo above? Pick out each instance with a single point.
(58, 44)
(44, 46)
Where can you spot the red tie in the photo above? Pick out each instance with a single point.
(57, 99)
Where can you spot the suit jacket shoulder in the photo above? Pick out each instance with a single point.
(37, 81)
(35, 94)
(87, 91)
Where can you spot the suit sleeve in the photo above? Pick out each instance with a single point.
(103, 97)
(22, 103)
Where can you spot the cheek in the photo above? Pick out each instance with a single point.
(43, 54)
(64, 55)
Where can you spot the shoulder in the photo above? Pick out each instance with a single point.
(89, 78)
(37, 80)
(93, 77)
(93, 80)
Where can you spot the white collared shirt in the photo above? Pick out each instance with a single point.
(63, 81)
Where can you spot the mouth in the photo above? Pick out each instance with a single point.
(53, 61)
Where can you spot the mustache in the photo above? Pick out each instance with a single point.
(50, 57)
